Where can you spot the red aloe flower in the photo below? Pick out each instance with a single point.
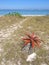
(32, 39)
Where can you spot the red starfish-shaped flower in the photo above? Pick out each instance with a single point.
(32, 39)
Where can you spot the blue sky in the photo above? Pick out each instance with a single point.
(24, 4)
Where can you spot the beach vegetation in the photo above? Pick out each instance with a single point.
(12, 44)
(14, 14)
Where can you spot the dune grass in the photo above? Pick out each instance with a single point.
(14, 14)
(12, 45)
(8, 20)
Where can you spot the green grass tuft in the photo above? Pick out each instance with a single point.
(14, 14)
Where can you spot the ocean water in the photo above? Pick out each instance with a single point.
(25, 12)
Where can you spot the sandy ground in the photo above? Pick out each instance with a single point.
(5, 33)
(10, 54)
(33, 15)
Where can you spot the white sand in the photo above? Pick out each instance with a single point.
(6, 33)
(33, 15)
(43, 64)
(27, 15)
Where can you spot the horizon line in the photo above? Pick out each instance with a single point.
(26, 8)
